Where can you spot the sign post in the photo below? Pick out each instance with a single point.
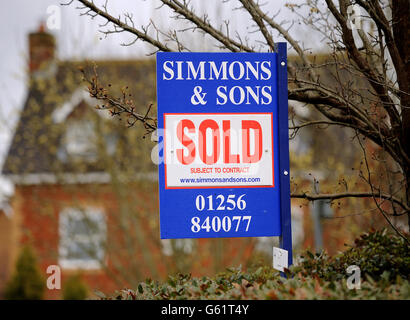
(285, 240)
(223, 145)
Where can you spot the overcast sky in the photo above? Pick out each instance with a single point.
(79, 38)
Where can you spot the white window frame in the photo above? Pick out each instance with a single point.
(99, 238)
(80, 140)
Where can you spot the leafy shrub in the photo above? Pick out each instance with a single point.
(382, 257)
(26, 282)
(75, 289)
(261, 284)
(377, 253)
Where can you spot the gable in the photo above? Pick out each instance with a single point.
(80, 96)
(53, 102)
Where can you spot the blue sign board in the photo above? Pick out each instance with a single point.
(223, 145)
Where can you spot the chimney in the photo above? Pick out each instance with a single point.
(41, 49)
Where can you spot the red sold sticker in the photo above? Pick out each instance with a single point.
(218, 150)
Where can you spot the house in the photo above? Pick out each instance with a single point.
(85, 188)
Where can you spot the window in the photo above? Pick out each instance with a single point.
(80, 140)
(265, 244)
(82, 238)
(172, 246)
(298, 233)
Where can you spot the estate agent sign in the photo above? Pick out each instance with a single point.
(224, 151)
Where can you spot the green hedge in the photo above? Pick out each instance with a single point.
(384, 261)
(378, 255)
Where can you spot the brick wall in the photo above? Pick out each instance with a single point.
(134, 249)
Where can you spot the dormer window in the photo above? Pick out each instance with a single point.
(80, 140)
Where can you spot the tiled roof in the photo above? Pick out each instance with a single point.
(38, 136)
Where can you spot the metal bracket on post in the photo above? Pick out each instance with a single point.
(285, 240)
